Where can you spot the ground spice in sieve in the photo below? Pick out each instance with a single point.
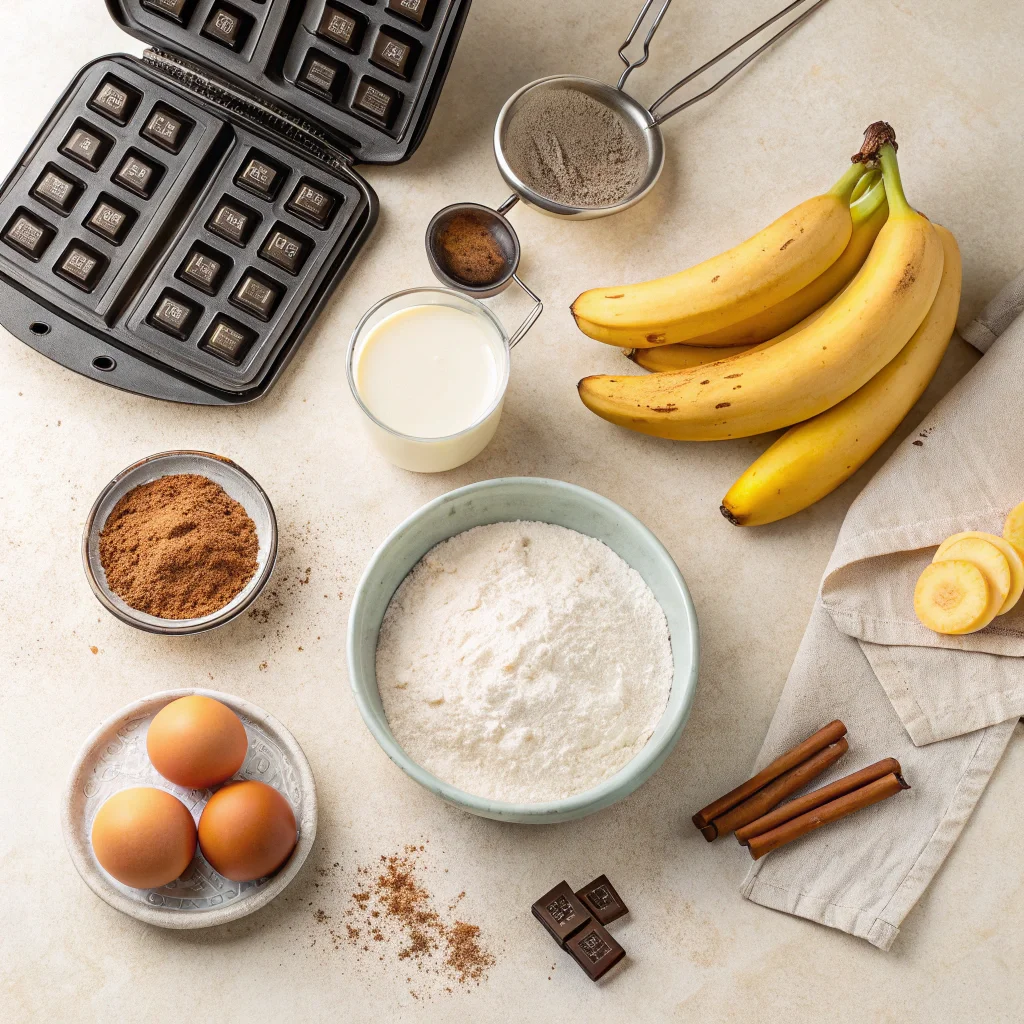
(573, 149)
(178, 547)
(472, 254)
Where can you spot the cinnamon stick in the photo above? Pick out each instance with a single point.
(775, 792)
(790, 759)
(867, 795)
(794, 808)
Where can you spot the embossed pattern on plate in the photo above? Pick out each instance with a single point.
(114, 758)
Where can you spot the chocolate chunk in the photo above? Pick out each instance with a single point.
(322, 76)
(58, 190)
(204, 269)
(594, 950)
(228, 339)
(228, 25)
(394, 54)
(87, 146)
(177, 10)
(601, 899)
(115, 100)
(82, 266)
(174, 315)
(259, 176)
(376, 101)
(285, 249)
(29, 236)
(312, 203)
(138, 174)
(234, 222)
(167, 129)
(342, 27)
(418, 11)
(561, 912)
(110, 220)
(256, 295)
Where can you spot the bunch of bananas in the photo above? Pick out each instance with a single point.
(831, 321)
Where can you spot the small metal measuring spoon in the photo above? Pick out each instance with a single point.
(507, 242)
(645, 118)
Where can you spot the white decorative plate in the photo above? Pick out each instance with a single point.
(114, 758)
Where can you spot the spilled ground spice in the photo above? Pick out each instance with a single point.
(392, 913)
(178, 547)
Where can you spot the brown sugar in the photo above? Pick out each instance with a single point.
(471, 252)
(178, 547)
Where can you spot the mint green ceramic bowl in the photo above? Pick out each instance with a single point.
(548, 501)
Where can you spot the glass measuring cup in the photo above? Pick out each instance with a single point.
(438, 454)
(628, 109)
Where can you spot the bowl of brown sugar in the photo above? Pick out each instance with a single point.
(180, 542)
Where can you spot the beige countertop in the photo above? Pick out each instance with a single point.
(949, 77)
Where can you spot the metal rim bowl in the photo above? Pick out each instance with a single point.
(617, 100)
(236, 482)
(114, 758)
(505, 500)
(500, 230)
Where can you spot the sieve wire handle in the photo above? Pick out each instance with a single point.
(630, 65)
(524, 327)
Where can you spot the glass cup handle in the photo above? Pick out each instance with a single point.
(525, 326)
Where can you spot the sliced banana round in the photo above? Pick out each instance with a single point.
(953, 597)
(1009, 552)
(1013, 529)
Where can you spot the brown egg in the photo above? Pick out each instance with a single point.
(247, 831)
(196, 742)
(144, 837)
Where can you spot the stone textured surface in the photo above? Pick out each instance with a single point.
(949, 77)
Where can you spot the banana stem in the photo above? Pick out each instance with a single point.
(848, 182)
(863, 208)
(893, 183)
(865, 185)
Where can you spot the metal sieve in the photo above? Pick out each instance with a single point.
(615, 98)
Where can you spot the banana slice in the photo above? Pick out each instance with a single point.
(1013, 529)
(953, 597)
(1009, 552)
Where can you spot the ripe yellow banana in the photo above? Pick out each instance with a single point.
(812, 459)
(869, 213)
(740, 283)
(813, 369)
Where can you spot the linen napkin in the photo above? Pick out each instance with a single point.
(944, 706)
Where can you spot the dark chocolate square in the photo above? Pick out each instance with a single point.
(228, 25)
(167, 129)
(228, 339)
(115, 100)
(561, 912)
(57, 189)
(29, 236)
(286, 249)
(111, 220)
(342, 27)
(313, 203)
(233, 221)
(419, 12)
(86, 145)
(394, 54)
(257, 295)
(82, 266)
(177, 10)
(601, 899)
(594, 950)
(204, 268)
(322, 76)
(260, 176)
(174, 315)
(138, 174)
(376, 101)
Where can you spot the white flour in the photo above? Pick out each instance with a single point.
(523, 662)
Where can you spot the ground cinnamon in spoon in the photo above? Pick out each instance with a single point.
(471, 252)
(178, 547)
